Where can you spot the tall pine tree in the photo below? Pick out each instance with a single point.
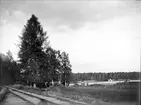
(31, 49)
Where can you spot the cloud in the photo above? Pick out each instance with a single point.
(71, 14)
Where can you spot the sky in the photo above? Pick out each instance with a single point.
(98, 35)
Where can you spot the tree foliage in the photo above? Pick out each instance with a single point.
(9, 66)
(65, 68)
(31, 49)
(105, 76)
(39, 61)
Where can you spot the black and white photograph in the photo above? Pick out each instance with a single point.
(70, 52)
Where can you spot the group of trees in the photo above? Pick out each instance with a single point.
(8, 67)
(39, 62)
(105, 76)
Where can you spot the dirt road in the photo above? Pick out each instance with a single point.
(14, 100)
(18, 98)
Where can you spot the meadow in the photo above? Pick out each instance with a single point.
(120, 92)
(125, 93)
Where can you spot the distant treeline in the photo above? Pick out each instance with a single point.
(104, 76)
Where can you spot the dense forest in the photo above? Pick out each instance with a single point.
(9, 69)
(104, 76)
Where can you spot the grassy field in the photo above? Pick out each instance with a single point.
(119, 93)
(107, 94)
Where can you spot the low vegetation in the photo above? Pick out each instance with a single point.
(118, 93)
(128, 92)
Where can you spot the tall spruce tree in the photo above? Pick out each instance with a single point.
(31, 49)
